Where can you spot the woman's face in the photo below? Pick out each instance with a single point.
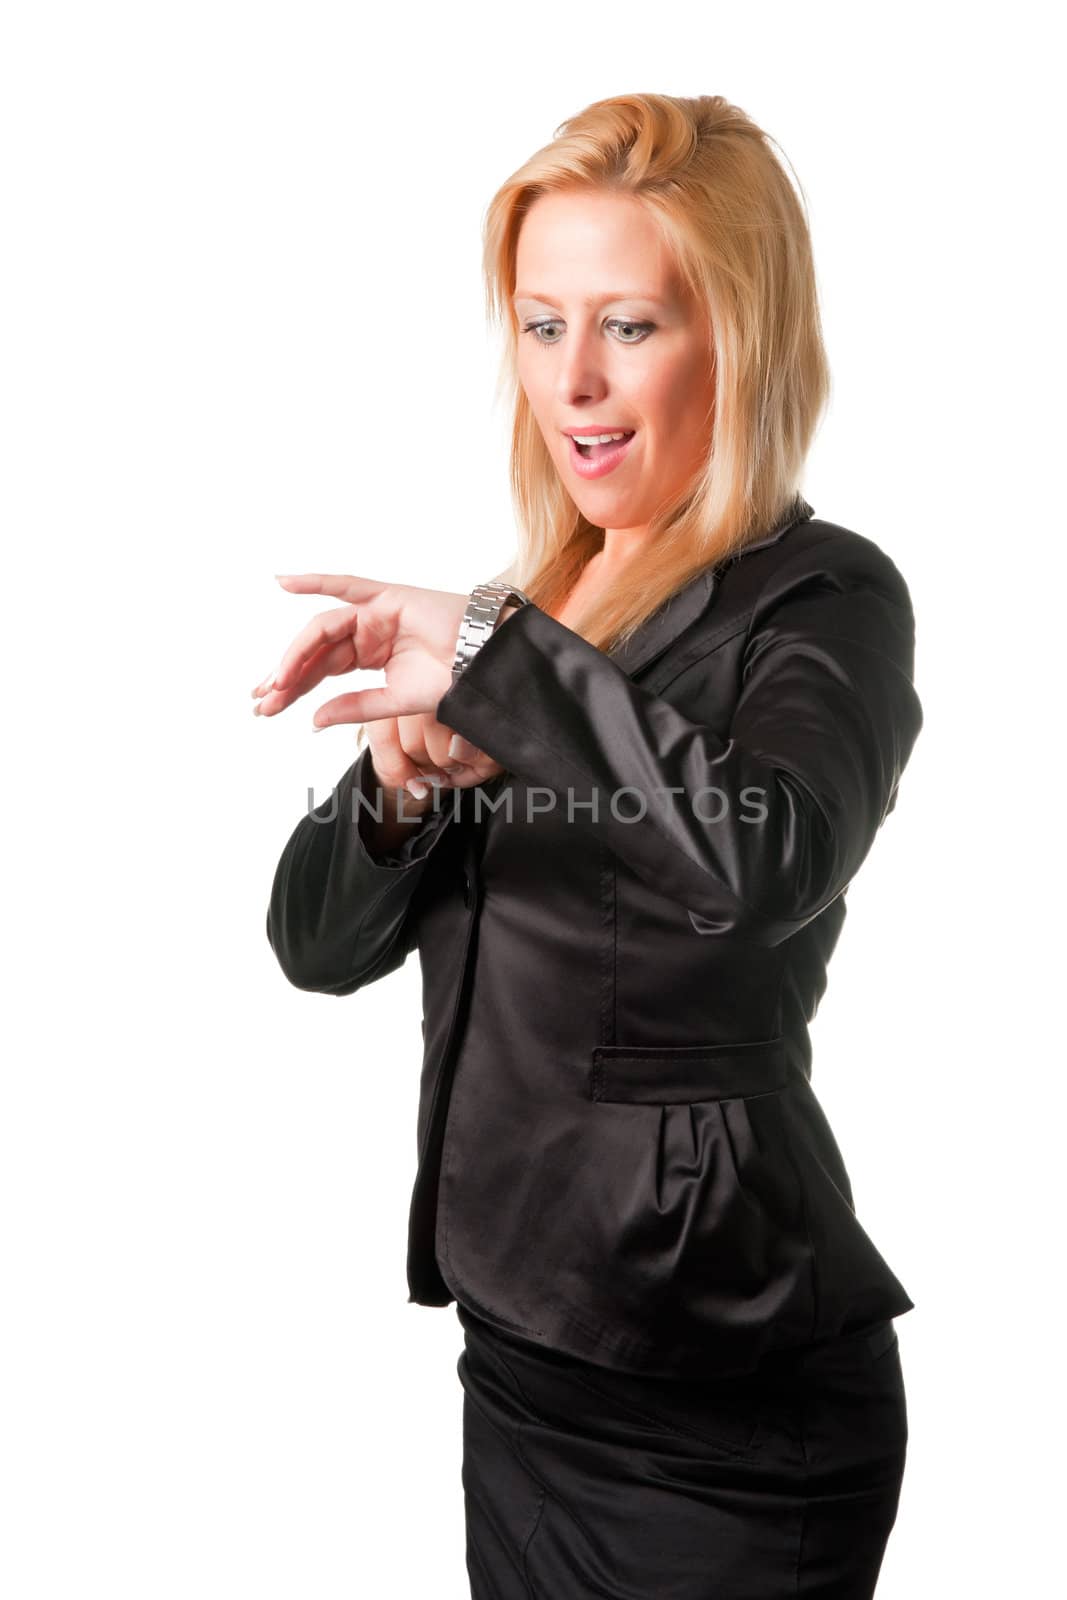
(609, 342)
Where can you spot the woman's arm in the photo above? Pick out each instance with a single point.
(337, 918)
(823, 728)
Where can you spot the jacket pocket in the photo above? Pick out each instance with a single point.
(658, 1075)
(697, 1218)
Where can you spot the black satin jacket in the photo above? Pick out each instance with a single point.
(622, 942)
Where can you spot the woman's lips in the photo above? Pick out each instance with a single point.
(605, 458)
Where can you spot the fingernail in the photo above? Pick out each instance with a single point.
(456, 747)
(317, 727)
(419, 790)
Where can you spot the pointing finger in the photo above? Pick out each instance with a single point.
(342, 585)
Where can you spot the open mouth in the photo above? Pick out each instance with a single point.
(594, 460)
(598, 452)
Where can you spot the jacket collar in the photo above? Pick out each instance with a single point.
(683, 607)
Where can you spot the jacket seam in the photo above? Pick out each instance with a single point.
(812, 1260)
(608, 956)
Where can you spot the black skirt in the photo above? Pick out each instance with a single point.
(582, 1481)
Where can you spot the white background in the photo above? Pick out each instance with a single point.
(241, 258)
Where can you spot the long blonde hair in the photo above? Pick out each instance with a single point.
(738, 232)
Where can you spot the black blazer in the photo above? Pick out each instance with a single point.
(620, 1154)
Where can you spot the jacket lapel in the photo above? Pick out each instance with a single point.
(664, 626)
(692, 600)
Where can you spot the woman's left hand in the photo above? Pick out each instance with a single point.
(407, 632)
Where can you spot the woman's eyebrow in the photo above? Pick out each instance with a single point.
(592, 299)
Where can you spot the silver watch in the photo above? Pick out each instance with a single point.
(480, 618)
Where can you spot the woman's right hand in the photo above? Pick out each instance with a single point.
(412, 762)
(415, 750)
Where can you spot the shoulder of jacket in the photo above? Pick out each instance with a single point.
(821, 555)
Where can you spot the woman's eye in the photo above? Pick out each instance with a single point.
(625, 324)
(642, 328)
(538, 328)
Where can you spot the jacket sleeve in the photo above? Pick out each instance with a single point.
(824, 722)
(338, 917)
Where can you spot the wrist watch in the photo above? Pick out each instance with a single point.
(480, 618)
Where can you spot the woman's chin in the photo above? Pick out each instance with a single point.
(607, 510)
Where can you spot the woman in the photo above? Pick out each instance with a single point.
(616, 810)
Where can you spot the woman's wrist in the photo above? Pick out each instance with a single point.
(402, 814)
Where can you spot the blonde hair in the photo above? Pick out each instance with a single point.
(738, 231)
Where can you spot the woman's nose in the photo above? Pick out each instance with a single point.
(579, 380)
(580, 374)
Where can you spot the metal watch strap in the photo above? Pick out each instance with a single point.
(480, 618)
